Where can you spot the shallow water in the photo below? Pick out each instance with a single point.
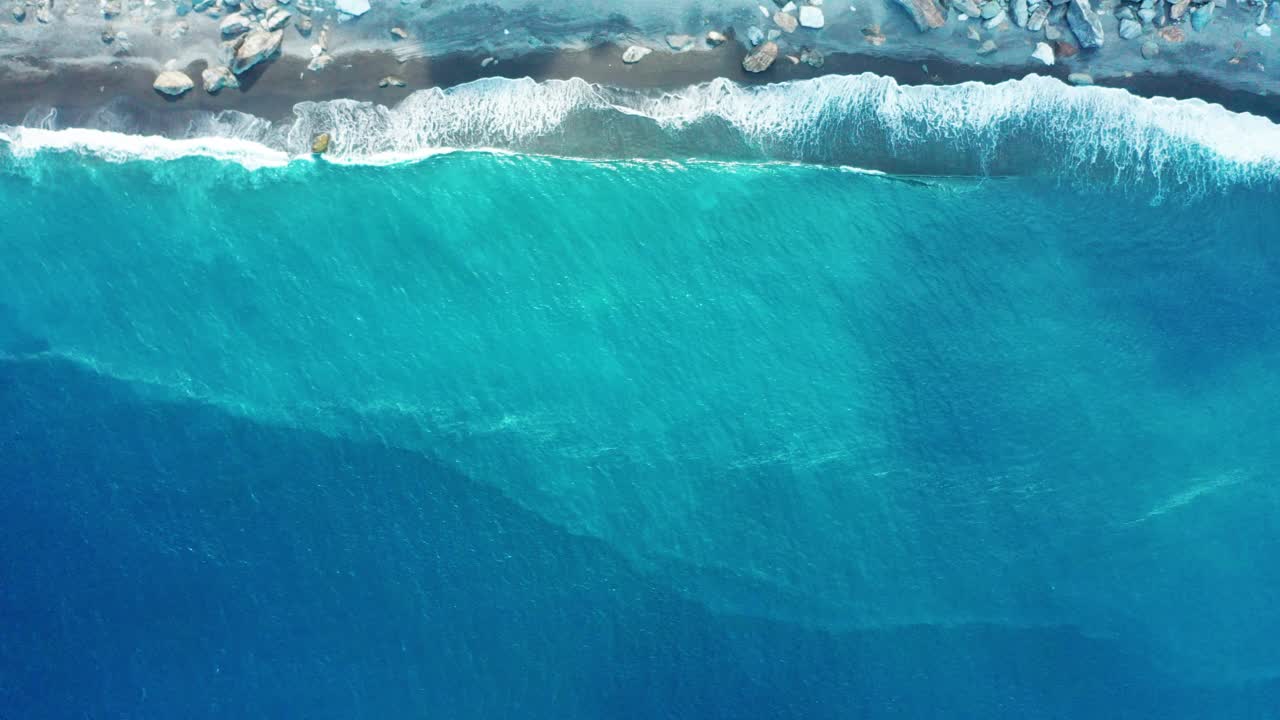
(488, 433)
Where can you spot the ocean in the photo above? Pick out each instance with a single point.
(822, 400)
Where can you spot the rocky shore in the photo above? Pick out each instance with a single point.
(262, 56)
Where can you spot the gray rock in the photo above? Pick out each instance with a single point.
(1201, 16)
(202, 5)
(1085, 23)
(1178, 9)
(276, 18)
(755, 35)
(1130, 29)
(19, 13)
(761, 58)
(968, 7)
(786, 21)
(42, 15)
(1147, 15)
(680, 42)
(235, 24)
(1150, 49)
(635, 54)
(172, 82)
(988, 47)
(927, 14)
(1021, 13)
(1036, 22)
(1273, 11)
(716, 39)
(399, 33)
(813, 58)
(217, 77)
(996, 21)
(1052, 33)
(391, 81)
(321, 61)
(108, 35)
(1126, 13)
(304, 26)
(254, 47)
(774, 34)
(812, 17)
(1080, 79)
(991, 9)
(111, 8)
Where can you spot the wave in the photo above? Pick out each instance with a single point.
(1032, 126)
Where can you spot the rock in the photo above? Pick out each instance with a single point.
(355, 8)
(973, 33)
(813, 58)
(1173, 34)
(277, 18)
(254, 47)
(996, 21)
(872, 34)
(1080, 79)
(391, 81)
(1179, 8)
(320, 144)
(1021, 13)
(179, 29)
(19, 13)
(1052, 33)
(968, 7)
(1130, 29)
(680, 42)
(773, 34)
(1264, 30)
(172, 82)
(1147, 15)
(1036, 22)
(1085, 23)
(755, 35)
(1064, 49)
(991, 9)
(304, 26)
(398, 33)
(110, 8)
(108, 35)
(42, 15)
(927, 14)
(635, 54)
(761, 58)
(1201, 16)
(321, 61)
(217, 77)
(201, 5)
(785, 21)
(235, 24)
(988, 47)
(1150, 49)
(716, 39)
(1043, 53)
(811, 17)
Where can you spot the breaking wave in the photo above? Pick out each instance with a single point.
(1033, 126)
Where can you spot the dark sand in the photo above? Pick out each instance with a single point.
(271, 89)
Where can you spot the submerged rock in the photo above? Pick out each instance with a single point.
(255, 47)
(813, 58)
(927, 14)
(172, 82)
(635, 54)
(217, 77)
(320, 143)
(1150, 49)
(679, 42)
(811, 17)
(1085, 23)
(761, 58)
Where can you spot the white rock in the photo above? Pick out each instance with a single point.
(811, 17)
(217, 77)
(715, 38)
(172, 82)
(789, 7)
(635, 54)
(352, 7)
(1043, 53)
(321, 61)
(1264, 30)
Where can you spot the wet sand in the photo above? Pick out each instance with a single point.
(270, 90)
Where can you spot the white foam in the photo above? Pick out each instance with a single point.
(864, 120)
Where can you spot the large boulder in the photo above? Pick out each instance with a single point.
(217, 77)
(927, 14)
(1085, 23)
(255, 47)
(811, 17)
(172, 82)
(761, 58)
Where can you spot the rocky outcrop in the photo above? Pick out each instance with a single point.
(1085, 23)
(172, 82)
(217, 77)
(927, 14)
(761, 58)
(255, 47)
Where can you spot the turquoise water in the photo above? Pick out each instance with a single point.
(488, 434)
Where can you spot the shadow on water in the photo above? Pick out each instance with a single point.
(165, 559)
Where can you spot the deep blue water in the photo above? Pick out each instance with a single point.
(508, 436)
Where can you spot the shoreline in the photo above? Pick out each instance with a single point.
(270, 90)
